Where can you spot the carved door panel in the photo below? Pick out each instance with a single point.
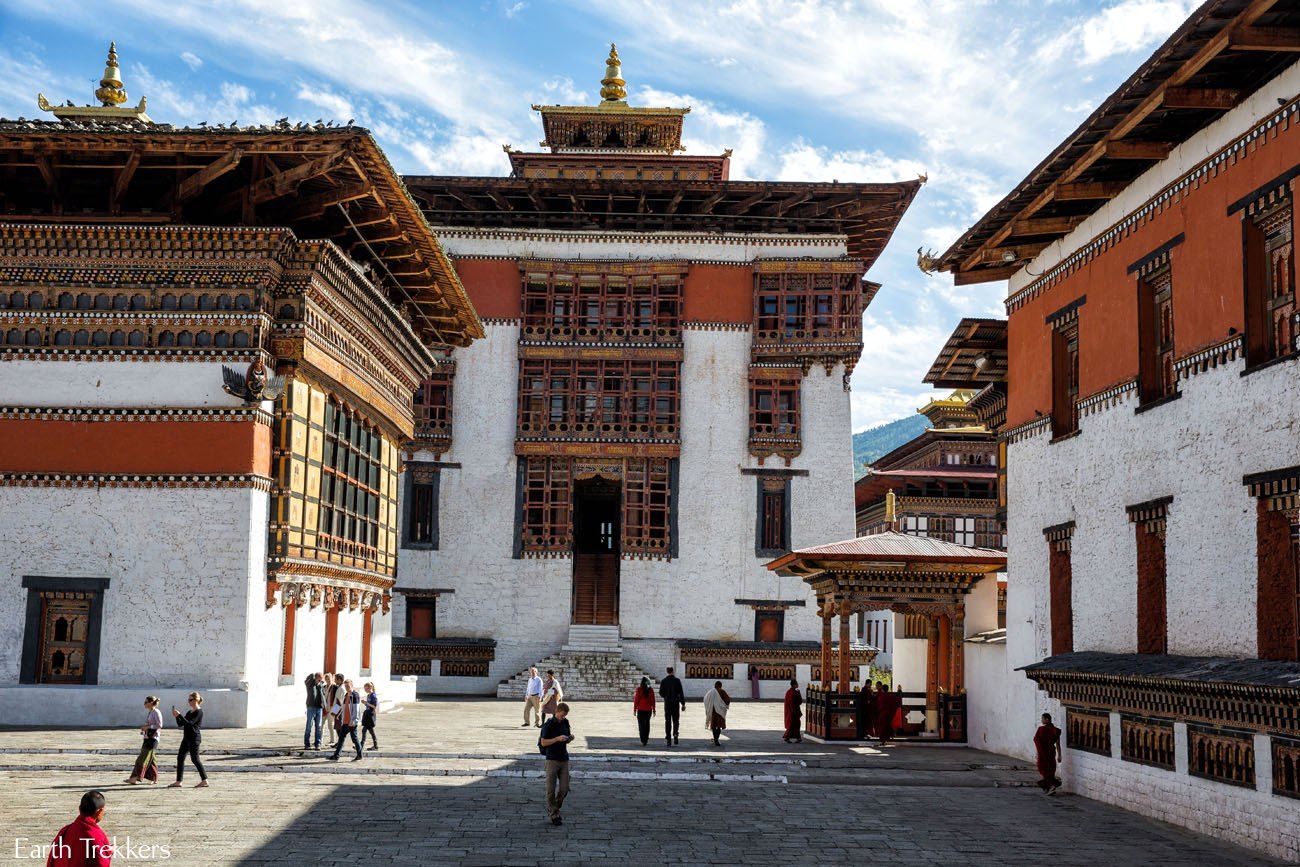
(65, 619)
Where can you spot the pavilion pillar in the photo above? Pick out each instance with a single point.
(828, 611)
(958, 644)
(845, 684)
(932, 677)
(945, 654)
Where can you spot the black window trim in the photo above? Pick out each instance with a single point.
(34, 585)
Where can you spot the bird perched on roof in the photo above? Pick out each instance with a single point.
(253, 385)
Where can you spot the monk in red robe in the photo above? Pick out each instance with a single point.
(793, 714)
(888, 705)
(1047, 747)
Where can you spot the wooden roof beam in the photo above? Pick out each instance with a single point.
(1019, 252)
(194, 184)
(676, 200)
(1084, 191)
(123, 179)
(502, 202)
(1265, 39)
(289, 180)
(1218, 98)
(706, 206)
(314, 206)
(984, 275)
(1046, 225)
(1137, 150)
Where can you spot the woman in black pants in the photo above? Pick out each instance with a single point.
(192, 722)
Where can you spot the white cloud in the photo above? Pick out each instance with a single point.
(896, 355)
(710, 129)
(231, 103)
(1122, 28)
(803, 161)
(336, 107)
(510, 10)
(192, 60)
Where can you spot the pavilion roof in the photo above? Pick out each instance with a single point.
(958, 365)
(1224, 52)
(888, 552)
(324, 182)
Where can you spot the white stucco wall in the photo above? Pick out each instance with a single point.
(569, 244)
(155, 383)
(525, 604)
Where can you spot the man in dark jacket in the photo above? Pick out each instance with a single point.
(674, 698)
(315, 684)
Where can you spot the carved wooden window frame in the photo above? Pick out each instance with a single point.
(352, 482)
(648, 495)
(600, 399)
(775, 412)
(421, 493)
(602, 306)
(432, 404)
(42, 591)
(1268, 245)
(1157, 379)
(546, 506)
(800, 307)
(772, 530)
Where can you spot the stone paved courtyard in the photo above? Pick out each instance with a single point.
(459, 782)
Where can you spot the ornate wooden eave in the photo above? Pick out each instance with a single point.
(1222, 54)
(321, 181)
(1253, 694)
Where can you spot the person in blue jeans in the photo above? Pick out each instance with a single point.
(315, 684)
(347, 710)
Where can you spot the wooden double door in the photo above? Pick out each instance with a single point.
(596, 552)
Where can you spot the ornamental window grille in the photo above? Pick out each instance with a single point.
(432, 403)
(1065, 379)
(798, 307)
(1270, 282)
(647, 506)
(774, 409)
(351, 477)
(566, 398)
(547, 499)
(1089, 732)
(1227, 757)
(989, 533)
(64, 633)
(642, 308)
(1156, 376)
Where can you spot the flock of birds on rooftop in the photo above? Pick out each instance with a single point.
(280, 125)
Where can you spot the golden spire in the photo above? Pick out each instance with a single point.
(891, 511)
(110, 91)
(110, 94)
(613, 87)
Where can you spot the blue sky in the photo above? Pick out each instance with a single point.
(972, 92)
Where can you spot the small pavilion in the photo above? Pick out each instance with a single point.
(908, 575)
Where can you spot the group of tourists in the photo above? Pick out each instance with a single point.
(644, 708)
(542, 697)
(145, 769)
(348, 711)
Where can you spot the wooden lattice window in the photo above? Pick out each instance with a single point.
(1270, 281)
(647, 507)
(1147, 742)
(566, 398)
(989, 533)
(351, 474)
(599, 307)
(1065, 379)
(1286, 767)
(420, 521)
(792, 307)
(1227, 757)
(1156, 376)
(773, 516)
(1089, 732)
(547, 505)
(774, 408)
(433, 404)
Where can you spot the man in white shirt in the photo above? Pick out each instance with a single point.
(533, 699)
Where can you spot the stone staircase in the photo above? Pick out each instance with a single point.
(590, 667)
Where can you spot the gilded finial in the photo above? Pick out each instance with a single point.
(891, 514)
(612, 87)
(110, 92)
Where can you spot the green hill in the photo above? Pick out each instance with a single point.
(883, 439)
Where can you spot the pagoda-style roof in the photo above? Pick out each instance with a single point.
(866, 213)
(1222, 54)
(974, 356)
(888, 552)
(897, 457)
(1169, 668)
(612, 124)
(876, 483)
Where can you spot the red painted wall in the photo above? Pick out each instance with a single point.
(719, 293)
(494, 286)
(162, 447)
(1207, 285)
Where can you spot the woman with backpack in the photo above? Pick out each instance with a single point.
(643, 708)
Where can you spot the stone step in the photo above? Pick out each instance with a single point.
(585, 676)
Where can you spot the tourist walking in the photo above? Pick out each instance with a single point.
(554, 744)
(369, 715)
(347, 710)
(146, 763)
(716, 702)
(191, 741)
(82, 842)
(643, 708)
(552, 695)
(1047, 746)
(315, 684)
(674, 699)
(533, 699)
(332, 692)
(793, 713)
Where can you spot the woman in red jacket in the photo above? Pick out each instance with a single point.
(643, 707)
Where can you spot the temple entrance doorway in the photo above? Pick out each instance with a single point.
(596, 508)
